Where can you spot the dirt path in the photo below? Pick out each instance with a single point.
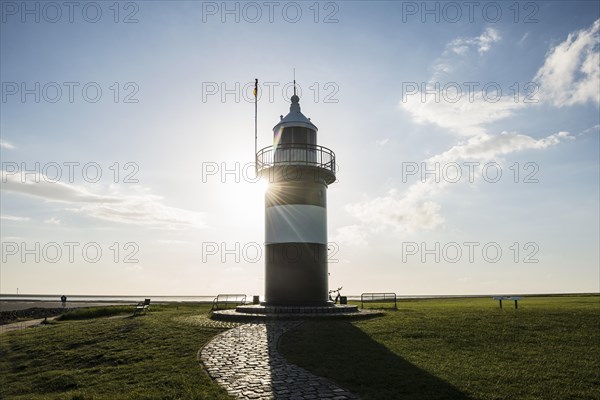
(16, 326)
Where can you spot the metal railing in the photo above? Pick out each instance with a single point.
(296, 154)
(378, 298)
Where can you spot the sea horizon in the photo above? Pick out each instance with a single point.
(209, 298)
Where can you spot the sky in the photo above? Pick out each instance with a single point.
(466, 139)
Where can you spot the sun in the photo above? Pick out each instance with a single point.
(244, 200)
(260, 187)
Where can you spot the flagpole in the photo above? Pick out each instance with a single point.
(255, 124)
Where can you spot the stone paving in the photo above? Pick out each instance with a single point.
(205, 322)
(246, 362)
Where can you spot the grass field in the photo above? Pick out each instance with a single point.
(460, 349)
(429, 349)
(153, 356)
(94, 312)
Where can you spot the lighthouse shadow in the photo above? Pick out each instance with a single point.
(348, 357)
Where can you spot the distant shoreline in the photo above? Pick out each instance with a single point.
(23, 302)
(17, 305)
(209, 298)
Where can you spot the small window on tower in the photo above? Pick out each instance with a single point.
(286, 136)
(300, 135)
(312, 137)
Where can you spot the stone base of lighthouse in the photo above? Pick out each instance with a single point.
(262, 312)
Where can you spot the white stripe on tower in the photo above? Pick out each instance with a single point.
(296, 223)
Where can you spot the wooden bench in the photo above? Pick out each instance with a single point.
(228, 299)
(378, 298)
(508, 298)
(141, 307)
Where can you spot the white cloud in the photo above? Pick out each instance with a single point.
(487, 147)
(523, 38)
(6, 145)
(51, 191)
(571, 72)
(13, 218)
(459, 50)
(465, 117)
(381, 142)
(593, 129)
(483, 43)
(351, 235)
(52, 221)
(457, 107)
(139, 209)
(417, 208)
(407, 212)
(11, 238)
(570, 75)
(486, 39)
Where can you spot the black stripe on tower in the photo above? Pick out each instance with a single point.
(296, 274)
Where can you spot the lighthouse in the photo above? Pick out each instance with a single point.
(299, 172)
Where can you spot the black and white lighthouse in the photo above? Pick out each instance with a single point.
(299, 173)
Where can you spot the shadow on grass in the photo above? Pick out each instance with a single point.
(343, 353)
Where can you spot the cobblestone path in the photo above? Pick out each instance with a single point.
(246, 362)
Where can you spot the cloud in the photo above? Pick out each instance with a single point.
(5, 145)
(417, 208)
(173, 241)
(134, 267)
(571, 72)
(52, 221)
(351, 235)
(13, 218)
(483, 43)
(138, 209)
(570, 75)
(488, 147)
(593, 129)
(486, 39)
(381, 142)
(51, 191)
(407, 212)
(462, 109)
(463, 113)
(11, 238)
(461, 49)
(466, 116)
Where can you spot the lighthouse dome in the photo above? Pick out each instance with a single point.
(295, 118)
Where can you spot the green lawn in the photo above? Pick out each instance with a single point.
(153, 356)
(428, 349)
(460, 349)
(95, 312)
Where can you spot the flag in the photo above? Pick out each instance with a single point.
(255, 87)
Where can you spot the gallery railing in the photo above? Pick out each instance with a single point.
(296, 154)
